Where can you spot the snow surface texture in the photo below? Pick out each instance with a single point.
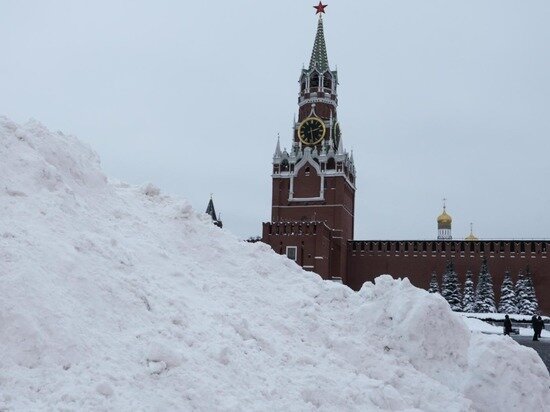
(120, 298)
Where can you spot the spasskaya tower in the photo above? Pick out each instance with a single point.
(313, 198)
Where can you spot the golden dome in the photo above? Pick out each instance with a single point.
(444, 218)
(471, 236)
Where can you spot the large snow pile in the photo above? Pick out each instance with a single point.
(115, 297)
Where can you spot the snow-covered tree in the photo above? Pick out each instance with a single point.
(469, 298)
(507, 302)
(528, 304)
(485, 295)
(522, 298)
(434, 284)
(450, 288)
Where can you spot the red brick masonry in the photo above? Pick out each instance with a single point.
(417, 260)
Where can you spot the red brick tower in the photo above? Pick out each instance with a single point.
(314, 182)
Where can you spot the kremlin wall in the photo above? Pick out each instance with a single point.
(418, 259)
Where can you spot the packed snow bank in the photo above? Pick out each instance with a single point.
(120, 298)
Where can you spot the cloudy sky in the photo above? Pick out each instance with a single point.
(437, 99)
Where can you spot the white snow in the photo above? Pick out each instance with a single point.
(477, 325)
(500, 316)
(120, 298)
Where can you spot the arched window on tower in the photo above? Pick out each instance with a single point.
(314, 81)
(331, 164)
(303, 84)
(327, 82)
(284, 166)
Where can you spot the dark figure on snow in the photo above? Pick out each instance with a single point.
(541, 325)
(507, 325)
(537, 327)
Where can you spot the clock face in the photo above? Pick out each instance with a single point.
(311, 131)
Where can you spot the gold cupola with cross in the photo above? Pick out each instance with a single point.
(444, 224)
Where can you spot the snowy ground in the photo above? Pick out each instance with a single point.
(477, 325)
(120, 298)
(500, 317)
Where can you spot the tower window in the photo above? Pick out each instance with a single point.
(292, 252)
(314, 81)
(284, 166)
(307, 170)
(327, 82)
(331, 164)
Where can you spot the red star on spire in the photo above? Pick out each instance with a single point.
(320, 8)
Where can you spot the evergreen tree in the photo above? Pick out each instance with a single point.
(522, 298)
(532, 304)
(485, 295)
(434, 284)
(450, 288)
(507, 303)
(469, 299)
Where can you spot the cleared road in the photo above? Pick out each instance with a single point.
(542, 346)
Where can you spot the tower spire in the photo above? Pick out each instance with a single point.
(319, 57)
(278, 152)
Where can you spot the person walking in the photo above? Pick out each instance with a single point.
(507, 325)
(535, 326)
(541, 326)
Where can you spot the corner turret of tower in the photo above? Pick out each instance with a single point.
(211, 211)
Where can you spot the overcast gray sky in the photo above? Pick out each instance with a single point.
(436, 99)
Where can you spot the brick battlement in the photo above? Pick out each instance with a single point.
(294, 228)
(453, 248)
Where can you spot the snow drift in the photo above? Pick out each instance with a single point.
(120, 298)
